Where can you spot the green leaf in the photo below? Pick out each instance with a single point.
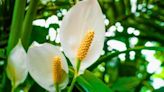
(159, 75)
(125, 84)
(17, 20)
(109, 56)
(159, 90)
(146, 89)
(55, 26)
(91, 83)
(2, 53)
(39, 34)
(36, 88)
(27, 23)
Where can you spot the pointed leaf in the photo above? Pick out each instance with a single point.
(91, 83)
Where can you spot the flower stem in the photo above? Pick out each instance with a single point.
(57, 87)
(13, 89)
(17, 20)
(75, 75)
(27, 23)
(77, 66)
(72, 83)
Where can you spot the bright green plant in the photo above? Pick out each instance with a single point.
(70, 49)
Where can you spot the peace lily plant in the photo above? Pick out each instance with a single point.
(45, 62)
(17, 65)
(48, 67)
(85, 24)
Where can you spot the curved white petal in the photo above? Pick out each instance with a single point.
(80, 18)
(41, 62)
(17, 65)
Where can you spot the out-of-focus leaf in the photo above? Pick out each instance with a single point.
(111, 14)
(125, 84)
(145, 89)
(2, 52)
(159, 75)
(159, 90)
(36, 88)
(90, 83)
(123, 68)
(109, 56)
(39, 34)
(159, 55)
(55, 26)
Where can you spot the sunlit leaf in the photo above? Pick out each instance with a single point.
(90, 83)
(125, 84)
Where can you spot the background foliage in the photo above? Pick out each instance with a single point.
(133, 28)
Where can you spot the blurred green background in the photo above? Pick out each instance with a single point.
(133, 56)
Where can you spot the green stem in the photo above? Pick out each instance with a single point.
(75, 75)
(72, 83)
(27, 24)
(17, 20)
(78, 65)
(3, 81)
(13, 89)
(57, 87)
(28, 86)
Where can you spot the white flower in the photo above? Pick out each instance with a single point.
(44, 70)
(17, 65)
(86, 16)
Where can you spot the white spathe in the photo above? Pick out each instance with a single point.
(83, 17)
(41, 65)
(17, 65)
